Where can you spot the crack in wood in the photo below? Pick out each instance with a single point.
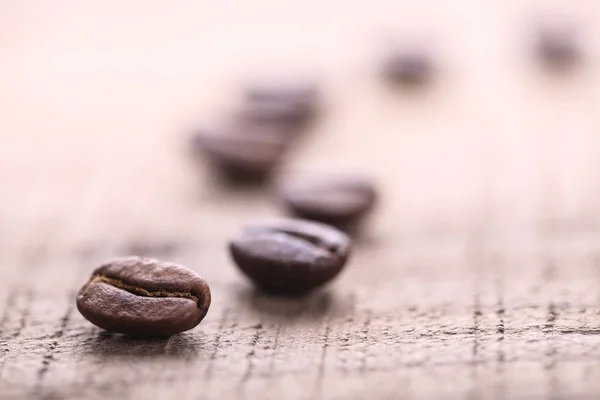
(317, 387)
(365, 339)
(500, 330)
(24, 315)
(497, 266)
(8, 305)
(22, 323)
(428, 364)
(273, 356)
(549, 275)
(250, 355)
(476, 262)
(48, 358)
(581, 331)
(498, 277)
(10, 301)
(213, 355)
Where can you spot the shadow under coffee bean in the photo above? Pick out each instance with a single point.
(290, 256)
(107, 345)
(296, 310)
(145, 297)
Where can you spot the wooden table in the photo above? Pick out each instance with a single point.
(477, 277)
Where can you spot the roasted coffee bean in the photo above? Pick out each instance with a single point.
(339, 201)
(290, 256)
(289, 115)
(407, 67)
(557, 47)
(242, 152)
(145, 297)
(292, 104)
(303, 94)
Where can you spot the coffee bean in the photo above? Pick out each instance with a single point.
(302, 93)
(557, 47)
(248, 152)
(290, 256)
(144, 296)
(289, 103)
(289, 115)
(339, 201)
(407, 67)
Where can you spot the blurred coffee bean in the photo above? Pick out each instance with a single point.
(340, 201)
(301, 93)
(241, 152)
(289, 115)
(557, 46)
(408, 67)
(290, 103)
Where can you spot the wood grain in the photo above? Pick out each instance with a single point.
(477, 277)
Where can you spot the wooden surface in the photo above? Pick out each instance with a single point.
(478, 277)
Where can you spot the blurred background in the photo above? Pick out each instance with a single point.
(98, 99)
(477, 273)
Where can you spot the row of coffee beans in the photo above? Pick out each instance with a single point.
(253, 141)
(142, 296)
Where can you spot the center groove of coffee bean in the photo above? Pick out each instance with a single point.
(141, 291)
(331, 248)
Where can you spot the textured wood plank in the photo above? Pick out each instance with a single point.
(477, 278)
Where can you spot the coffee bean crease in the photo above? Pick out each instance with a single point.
(290, 256)
(320, 243)
(141, 291)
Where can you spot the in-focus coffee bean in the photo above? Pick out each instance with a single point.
(341, 201)
(291, 103)
(290, 256)
(409, 67)
(251, 153)
(145, 297)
